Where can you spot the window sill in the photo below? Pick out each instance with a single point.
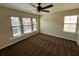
(69, 32)
(13, 38)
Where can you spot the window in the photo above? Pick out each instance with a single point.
(34, 24)
(15, 24)
(27, 26)
(70, 23)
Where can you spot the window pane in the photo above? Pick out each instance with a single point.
(15, 21)
(34, 21)
(73, 21)
(34, 27)
(72, 27)
(73, 17)
(34, 24)
(66, 27)
(70, 19)
(66, 19)
(16, 31)
(27, 29)
(26, 21)
(27, 25)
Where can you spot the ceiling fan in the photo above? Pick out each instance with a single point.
(39, 8)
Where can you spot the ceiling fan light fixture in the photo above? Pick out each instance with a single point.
(42, 9)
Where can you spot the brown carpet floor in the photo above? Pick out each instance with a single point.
(42, 45)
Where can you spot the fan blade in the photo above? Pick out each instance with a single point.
(47, 6)
(45, 10)
(33, 5)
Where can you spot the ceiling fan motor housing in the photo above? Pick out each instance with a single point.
(39, 8)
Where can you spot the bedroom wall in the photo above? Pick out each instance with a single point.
(53, 23)
(5, 27)
(78, 32)
(78, 38)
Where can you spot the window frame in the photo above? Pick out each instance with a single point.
(15, 26)
(26, 25)
(34, 24)
(70, 24)
(21, 27)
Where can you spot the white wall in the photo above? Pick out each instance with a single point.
(78, 38)
(5, 27)
(78, 31)
(53, 23)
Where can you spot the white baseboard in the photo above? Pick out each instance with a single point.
(20, 39)
(58, 36)
(78, 43)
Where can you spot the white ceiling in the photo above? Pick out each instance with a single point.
(26, 7)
